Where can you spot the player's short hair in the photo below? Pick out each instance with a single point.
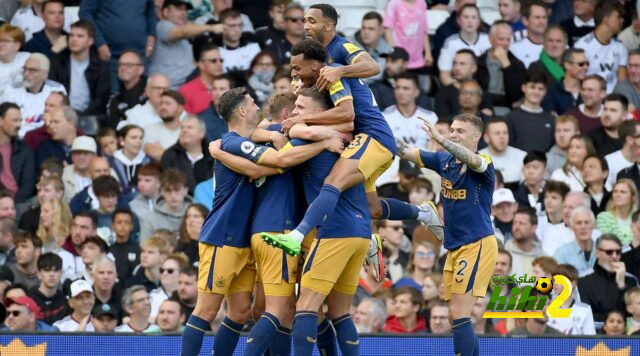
(535, 75)
(12, 31)
(606, 8)
(556, 186)
(556, 28)
(472, 119)
(409, 76)
(416, 297)
(157, 242)
(599, 79)
(468, 52)
(535, 155)
(328, 11)
(525, 11)
(317, 96)
(529, 212)
(630, 294)
(229, 14)
(311, 49)
(91, 215)
(495, 120)
(372, 15)
(567, 55)
(48, 261)
(619, 98)
(278, 102)
(150, 169)
(229, 102)
(568, 271)
(173, 179)
(547, 263)
(6, 106)
(85, 25)
(106, 186)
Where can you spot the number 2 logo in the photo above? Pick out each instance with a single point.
(462, 265)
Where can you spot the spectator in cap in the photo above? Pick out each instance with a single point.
(76, 176)
(22, 315)
(171, 318)
(502, 210)
(105, 318)
(28, 249)
(17, 166)
(62, 124)
(81, 300)
(137, 304)
(530, 192)
(383, 88)
(160, 136)
(48, 295)
(6, 278)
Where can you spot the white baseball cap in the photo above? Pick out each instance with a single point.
(84, 143)
(79, 286)
(503, 195)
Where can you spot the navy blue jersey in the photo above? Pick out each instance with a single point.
(229, 221)
(466, 196)
(341, 51)
(276, 206)
(369, 119)
(351, 217)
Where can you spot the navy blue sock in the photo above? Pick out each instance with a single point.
(305, 332)
(394, 209)
(347, 335)
(322, 207)
(262, 334)
(192, 336)
(327, 344)
(227, 337)
(464, 338)
(281, 344)
(476, 350)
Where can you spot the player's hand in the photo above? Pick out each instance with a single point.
(328, 76)
(288, 123)
(278, 139)
(401, 147)
(151, 43)
(335, 144)
(430, 129)
(104, 53)
(214, 148)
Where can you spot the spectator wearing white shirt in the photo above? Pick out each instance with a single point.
(146, 114)
(630, 36)
(566, 128)
(169, 273)
(214, 16)
(469, 37)
(160, 136)
(76, 175)
(29, 19)
(630, 87)
(580, 322)
(607, 56)
(629, 133)
(81, 300)
(11, 59)
(571, 172)
(137, 304)
(554, 195)
(534, 16)
(32, 92)
(237, 50)
(506, 159)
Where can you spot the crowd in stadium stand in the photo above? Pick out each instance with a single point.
(107, 108)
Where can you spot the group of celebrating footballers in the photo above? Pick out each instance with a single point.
(250, 244)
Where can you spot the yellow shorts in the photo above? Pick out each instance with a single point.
(470, 267)
(335, 264)
(373, 158)
(226, 269)
(276, 270)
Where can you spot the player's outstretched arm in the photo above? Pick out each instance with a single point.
(407, 152)
(321, 132)
(363, 67)
(240, 165)
(296, 155)
(264, 135)
(339, 114)
(465, 155)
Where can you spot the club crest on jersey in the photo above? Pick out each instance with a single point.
(220, 282)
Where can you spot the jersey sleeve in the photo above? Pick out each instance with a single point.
(430, 160)
(488, 173)
(245, 148)
(340, 91)
(349, 52)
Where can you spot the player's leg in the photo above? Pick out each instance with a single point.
(326, 341)
(259, 302)
(305, 324)
(205, 311)
(279, 309)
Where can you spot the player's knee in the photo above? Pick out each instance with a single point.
(207, 313)
(240, 314)
(257, 311)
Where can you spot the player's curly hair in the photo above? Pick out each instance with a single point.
(311, 49)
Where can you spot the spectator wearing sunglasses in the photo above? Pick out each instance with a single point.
(565, 93)
(396, 247)
(169, 273)
(422, 261)
(604, 288)
(23, 314)
(197, 92)
(280, 41)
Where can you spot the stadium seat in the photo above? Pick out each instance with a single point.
(435, 18)
(350, 3)
(350, 18)
(493, 4)
(88, 124)
(73, 12)
(489, 15)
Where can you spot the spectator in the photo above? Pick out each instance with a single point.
(555, 42)
(84, 224)
(582, 22)
(604, 288)
(214, 16)
(7, 205)
(566, 128)
(406, 318)
(170, 206)
(148, 188)
(565, 93)
(33, 138)
(171, 318)
(92, 248)
(125, 251)
(500, 73)
(469, 37)
(439, 319)
(8, 231)
(632, 302)
(629, 36)
(87, 200)
(273, 33)
(147, 114)
(607, 56)
(370, 38)
(76, 176)
(469, 101)
(48, 296)
(147, 274)
(261, 71)
(55, 224)
(404, 26)
(431, 289)
(215, 124)
(422, 260)
(592, 93)
(105, 287)
(29, 18)
(530, 128)
(49, 187)
(403, 117)
(160, 136)
(630, 87)
(580, 252)
(502, 211)
(543, 266)
(109, 195)
(448, 28)
(25, 270)
(594, 175)
(370, 316)
(128, 160)
(132, 83)
(480, 325)
(237, 49)
(63, 132)
(506, 159)
(531, 191)
(614, 324)
(581, 321)
(17, 170)
(136, 303)
(189, 231)
(616, 219)
(631, 257)
(579, 148)
(169, 273)
(464, 67)
(22, 315)
(534, 17)
(107, 140)
(190, 154)
(554, 195)
(81, 300)
(31, 93)
(197, 92)
(536, 326)
(104, 318)
(396, 246)
(605, 138)
(524, 246)
(6, 278)
(510, 12)
(15, 290)
(383, 89)
(52, 38)
(187, 292)
(11, 58)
